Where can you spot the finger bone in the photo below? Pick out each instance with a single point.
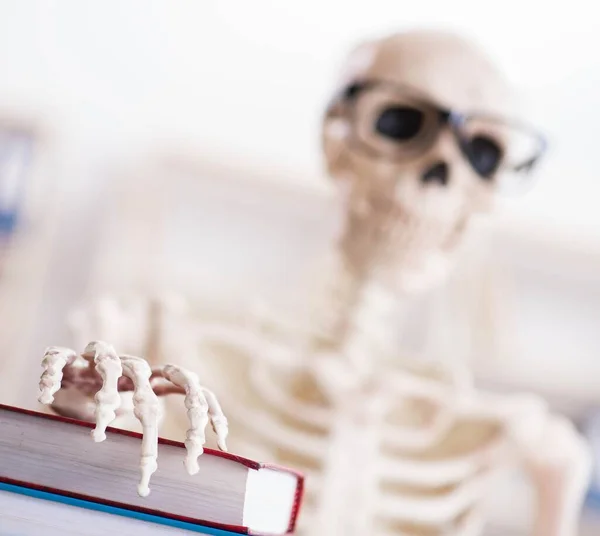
(107, 399)
(146, 409)
(197, 406)
(54, 361)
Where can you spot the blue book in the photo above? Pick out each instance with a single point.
(29, 512)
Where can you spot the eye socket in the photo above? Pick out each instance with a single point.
(485, 155)
(399, 123)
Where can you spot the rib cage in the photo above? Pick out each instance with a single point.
(416, 468)
(420, 460)
(417, 489)
(424, 458)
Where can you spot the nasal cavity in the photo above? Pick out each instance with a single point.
(438, 173)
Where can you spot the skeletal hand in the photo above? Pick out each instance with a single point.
(101, 373)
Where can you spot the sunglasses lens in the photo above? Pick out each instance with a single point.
(392, 124)
(399, 123)
(493, 145)
(485, 155)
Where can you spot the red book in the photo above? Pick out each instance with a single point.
(57, 455)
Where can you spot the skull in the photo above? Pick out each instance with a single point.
(418, 139)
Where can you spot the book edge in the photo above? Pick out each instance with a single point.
(251, 464)
(298, 498)
(114, 508)
(4, 482)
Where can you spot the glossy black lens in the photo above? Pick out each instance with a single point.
(485, 155)
(399, 123)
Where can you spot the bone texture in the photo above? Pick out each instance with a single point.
(109, 368)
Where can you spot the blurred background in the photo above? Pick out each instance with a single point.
(160, 144)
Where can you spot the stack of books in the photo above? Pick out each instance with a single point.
(55, 481)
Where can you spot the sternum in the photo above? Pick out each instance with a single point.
(347, 498)
(350, 473)
(369, 328)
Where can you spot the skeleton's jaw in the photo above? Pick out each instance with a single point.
(409, 258)
(402, 234)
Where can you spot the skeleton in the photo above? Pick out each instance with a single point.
(100, 366)
(390, 445)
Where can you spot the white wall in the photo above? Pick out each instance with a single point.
(253, 76)
(250, 78)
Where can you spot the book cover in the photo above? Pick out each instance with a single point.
(112, 510)
(125, 509)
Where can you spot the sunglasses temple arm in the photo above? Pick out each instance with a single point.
(528, 165)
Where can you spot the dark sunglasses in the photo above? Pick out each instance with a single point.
(391, 122)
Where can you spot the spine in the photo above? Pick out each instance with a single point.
(360, 330)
